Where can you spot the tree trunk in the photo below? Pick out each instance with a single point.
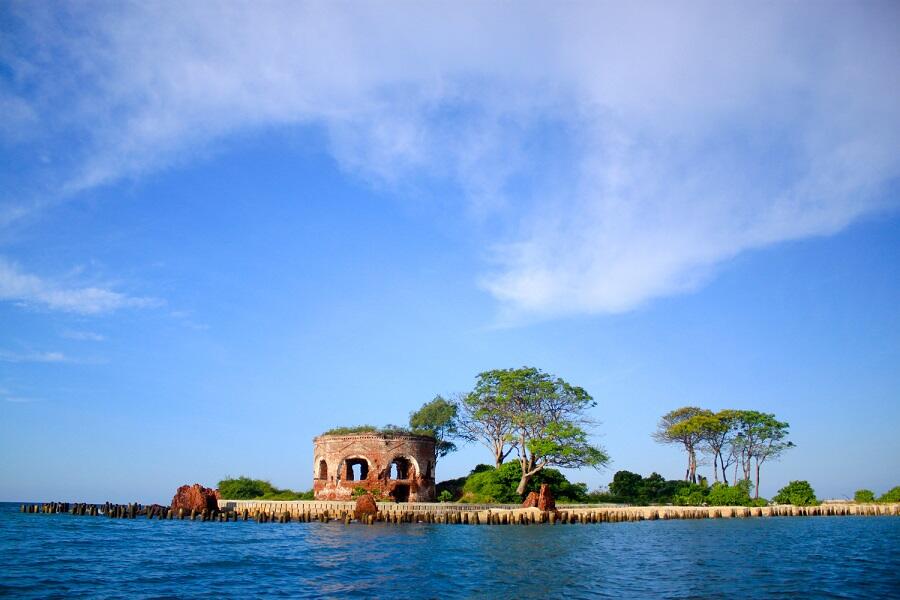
(756, 494)
(716, 467)
(523, 483)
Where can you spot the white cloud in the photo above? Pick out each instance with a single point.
(610, 153)
(31, 290)
(84, 336)
(20, 399)
(35, 357)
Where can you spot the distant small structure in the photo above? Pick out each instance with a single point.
(390, 465)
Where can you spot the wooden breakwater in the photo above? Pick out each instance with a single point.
(462, 514)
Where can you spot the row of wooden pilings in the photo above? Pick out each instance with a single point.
(565, 515)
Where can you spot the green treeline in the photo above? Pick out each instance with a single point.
(244, 488)
(740, 439)
(892, 495)
(487, 485)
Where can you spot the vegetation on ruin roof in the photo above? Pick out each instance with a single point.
(386, 430)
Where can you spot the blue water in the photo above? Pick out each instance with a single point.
(46, 556)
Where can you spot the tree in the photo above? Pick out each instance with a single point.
(760, 437)
(627, 486)
(798, 493)
(438, 419)
(717, 433)
(864, 496)
(541, 417)
(481, 418)
(681, 427)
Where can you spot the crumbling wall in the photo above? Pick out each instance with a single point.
(391, 467)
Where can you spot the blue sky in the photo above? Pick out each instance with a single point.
(223, 231)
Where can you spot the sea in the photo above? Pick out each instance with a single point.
(65, 556)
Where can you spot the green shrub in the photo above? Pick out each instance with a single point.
(798, 493)
(654, 489)
(600, 496)
(386, 430)
(487, 485)
(244, 488)
(445, 496)
(691, 494)
(864, 496)
(892, 495)
(721, 494)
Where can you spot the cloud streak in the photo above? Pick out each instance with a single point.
(607, 155)
(33, 291)
(33, 357)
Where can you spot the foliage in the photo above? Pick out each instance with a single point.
(892, 495)
(245, 488)
(864, 496)
(438, 419)
(445, 496)
(747, 438)
(500, 485)
(691, 494)
(685, 427)
(386, 430)
(542, 418)
(361, 491)
(722, 494)
(654, 489)
(798, 493)
(601, 496)
(455, 486)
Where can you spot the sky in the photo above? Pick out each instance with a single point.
(228, 227)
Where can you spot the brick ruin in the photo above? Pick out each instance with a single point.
(397, 467)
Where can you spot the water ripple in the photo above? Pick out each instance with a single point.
(47, 556)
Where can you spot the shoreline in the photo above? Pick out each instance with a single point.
(305, 511)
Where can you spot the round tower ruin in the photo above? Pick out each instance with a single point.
(392, 466)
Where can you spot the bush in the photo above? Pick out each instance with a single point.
(386, 430)
(653, 489)
(721, 494)
(691, 494)
(864, 496)
(798, 493)
(487, 485)
(244, 488)
(445, 496)
(892, 495)
(600, 496)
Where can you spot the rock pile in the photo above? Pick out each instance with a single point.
(365, 505)
(543, 501)
(196, 497)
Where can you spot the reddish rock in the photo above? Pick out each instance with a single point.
(543, 501)
(196, 497)
(365, 505)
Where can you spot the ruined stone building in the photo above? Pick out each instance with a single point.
(392, 466)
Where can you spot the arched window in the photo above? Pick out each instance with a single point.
(323, 469)
(354, 469)
(401, 468)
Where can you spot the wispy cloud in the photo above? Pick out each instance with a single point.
(84, 336)
(33, 357)
(31, 290)
(626, 151)
(20, 399)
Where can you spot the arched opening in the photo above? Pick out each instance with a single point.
(401, 468)
(353, 469)
(401, 493)
(323, 469)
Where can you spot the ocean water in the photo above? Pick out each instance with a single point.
(63, 556)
